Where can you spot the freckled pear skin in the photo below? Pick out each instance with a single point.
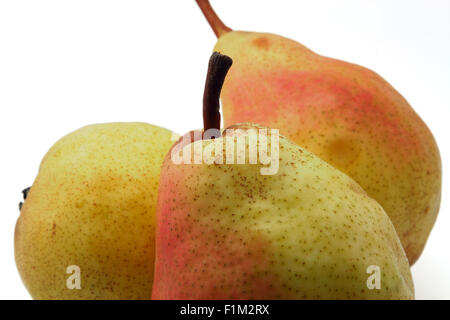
(225, 231)
(346, 114)
(93, 205)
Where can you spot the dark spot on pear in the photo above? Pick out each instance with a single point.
(261, 43)
(25, 194)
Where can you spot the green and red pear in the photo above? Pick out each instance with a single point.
(302, 231)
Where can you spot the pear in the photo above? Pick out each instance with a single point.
(346, 114)
(303, 231)
(87, 226)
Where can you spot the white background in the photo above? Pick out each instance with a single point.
(66, 64)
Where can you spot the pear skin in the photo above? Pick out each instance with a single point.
(344, 113)
(92, 205)
(225, 231)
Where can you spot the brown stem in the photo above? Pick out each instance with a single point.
(218, 67)
(214, 21)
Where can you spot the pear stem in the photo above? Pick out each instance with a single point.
(214, 21)
(218, 67)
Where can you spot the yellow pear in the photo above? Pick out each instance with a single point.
(86, 229)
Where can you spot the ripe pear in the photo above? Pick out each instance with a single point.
(92, 206)
(306, 231)
(344, 113)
